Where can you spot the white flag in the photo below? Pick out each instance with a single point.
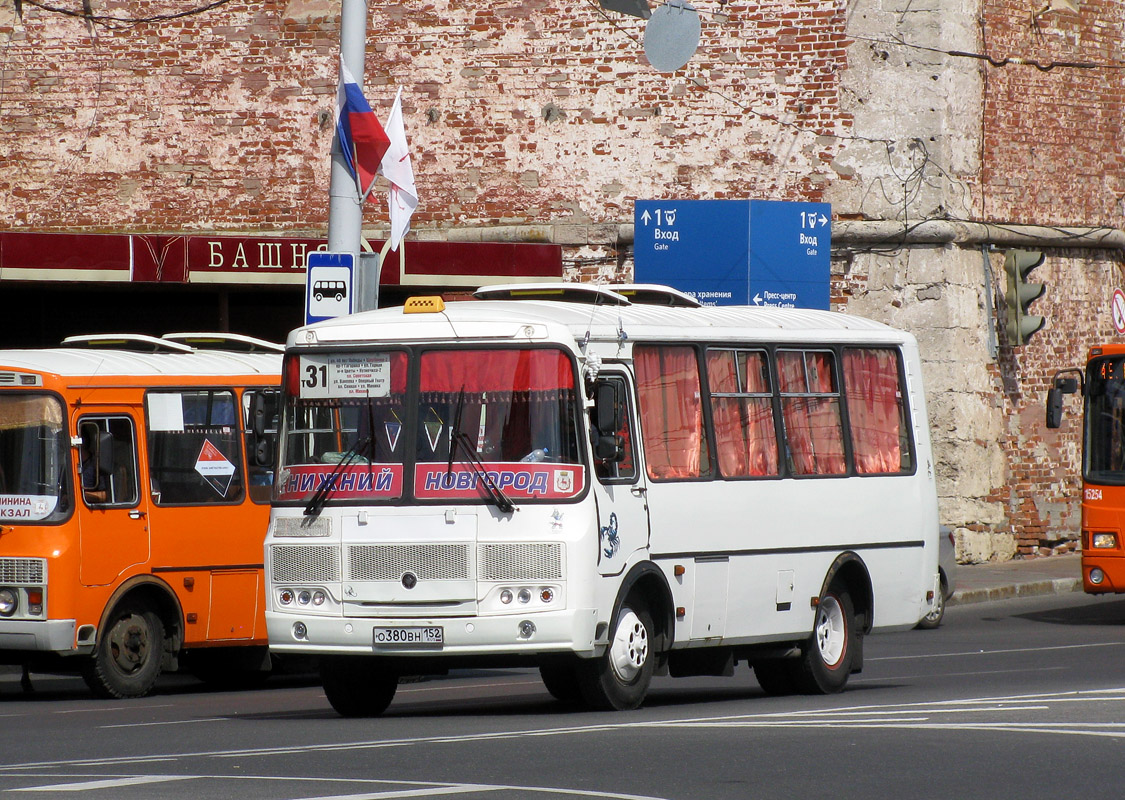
(403, 198)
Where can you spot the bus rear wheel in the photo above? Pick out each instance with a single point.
(619, 679)
(126, 660)
(561, 679)
(356, 686)
(827, 657)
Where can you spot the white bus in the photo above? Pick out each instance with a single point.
(603, 488)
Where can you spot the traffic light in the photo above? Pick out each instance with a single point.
(1020, 294)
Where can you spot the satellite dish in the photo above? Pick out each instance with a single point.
(672, 35)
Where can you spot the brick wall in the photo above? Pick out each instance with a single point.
(1052, 140)
(526, 111)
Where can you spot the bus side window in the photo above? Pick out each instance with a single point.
(620, 465)
(108, 461)
(193, 442)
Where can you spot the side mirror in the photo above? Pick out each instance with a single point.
(259, 414)
(263, 452)
(104, 457)
(1055, 399)
(1054, 407)
(608, 415)
(609, 448)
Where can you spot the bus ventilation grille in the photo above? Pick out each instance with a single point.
(299, 564)
(429, 562)
(23, 570)
(532, 561)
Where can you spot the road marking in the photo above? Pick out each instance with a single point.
(108, 783)
(418, 788)
(169, 722)
(799, 718)
(928, 656)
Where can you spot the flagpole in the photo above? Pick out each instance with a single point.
(345, 211)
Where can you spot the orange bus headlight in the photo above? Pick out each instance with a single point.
(1105, 540)
(9, 602)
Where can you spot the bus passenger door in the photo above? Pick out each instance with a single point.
(620, 489)
(112, 511)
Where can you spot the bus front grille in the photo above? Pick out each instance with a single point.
(389, 562)
(302, 563)
(23, 570)
(531, 561)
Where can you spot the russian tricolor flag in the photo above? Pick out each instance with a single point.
(362, 139)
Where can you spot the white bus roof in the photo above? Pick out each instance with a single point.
(100, 363)
(531, 320)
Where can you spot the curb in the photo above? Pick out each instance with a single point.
(1056, 586)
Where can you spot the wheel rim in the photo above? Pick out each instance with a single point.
(130, 644)
(831, 630)
(938, 607)
(628, 651)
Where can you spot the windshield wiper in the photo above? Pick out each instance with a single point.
(458, 438)
(328, 487)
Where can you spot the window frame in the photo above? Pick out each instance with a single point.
(237, 439)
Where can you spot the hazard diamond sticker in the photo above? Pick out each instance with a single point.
(215, 468)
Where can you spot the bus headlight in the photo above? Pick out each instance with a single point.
(1096, 576)
(1105, 540)
(9, 602)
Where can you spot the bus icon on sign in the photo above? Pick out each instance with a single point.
(337, 290)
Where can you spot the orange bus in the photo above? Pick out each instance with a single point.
(135, 478)
(1102, 387)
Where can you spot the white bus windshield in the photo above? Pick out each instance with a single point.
(353, 420)
(33, 475)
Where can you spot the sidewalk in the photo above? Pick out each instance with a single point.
(979, 583)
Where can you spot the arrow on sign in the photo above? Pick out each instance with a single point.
(823, 220)
(646, 216)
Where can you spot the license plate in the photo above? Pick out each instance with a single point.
(419, 636)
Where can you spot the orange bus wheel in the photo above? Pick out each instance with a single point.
(126, 660)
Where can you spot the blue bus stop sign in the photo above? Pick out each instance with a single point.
(736, 252)
(329, 286)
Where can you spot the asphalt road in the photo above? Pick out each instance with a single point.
(1019, 698)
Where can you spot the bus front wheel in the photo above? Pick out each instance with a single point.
(620, 678)
(126, 660)
(827, 657)
(356, 686)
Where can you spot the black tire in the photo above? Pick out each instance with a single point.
(127, 658)
(318, 296)
(777, 676)
(561, 680)
(620, 677)
(828, 654)
(356, 686)
(933, 619)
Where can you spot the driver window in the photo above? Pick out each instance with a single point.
(107, 456)
(625, 469)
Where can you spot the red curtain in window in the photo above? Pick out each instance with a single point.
(812, 424)
(744, 433)
(478, 371)
(668, 390)
(874, 409)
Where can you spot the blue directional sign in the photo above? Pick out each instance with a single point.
(329, 286)
(736, 252)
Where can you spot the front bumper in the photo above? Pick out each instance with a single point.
(567, 631)
(44, 636)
